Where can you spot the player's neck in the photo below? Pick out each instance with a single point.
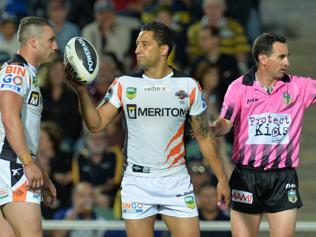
(264, 78)
(158, 72)
(29, 56)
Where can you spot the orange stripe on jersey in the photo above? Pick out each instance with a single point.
(175, 150)
(19, 195)
(119, 93)
(178, 134)
(192, 96)
(179, 157)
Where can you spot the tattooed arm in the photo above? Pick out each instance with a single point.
(207, 143)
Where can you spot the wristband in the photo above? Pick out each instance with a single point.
(26, 159)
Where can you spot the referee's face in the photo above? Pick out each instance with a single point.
(277, 63)
(148, 52)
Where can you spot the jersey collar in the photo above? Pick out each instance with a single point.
(249, 78)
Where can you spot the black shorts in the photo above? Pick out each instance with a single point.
(258, 191)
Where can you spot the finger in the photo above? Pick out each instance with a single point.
(29, 184)
(35, 185)
(219, 198)
(41, 182)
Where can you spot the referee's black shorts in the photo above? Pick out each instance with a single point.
(257, 191)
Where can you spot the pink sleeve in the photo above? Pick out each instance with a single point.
(310, 91)
(231, 105)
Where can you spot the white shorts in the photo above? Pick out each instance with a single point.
(147, 196)
(13, 184)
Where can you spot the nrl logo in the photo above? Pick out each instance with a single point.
(291, 195)
(287, 98)
(131, 92)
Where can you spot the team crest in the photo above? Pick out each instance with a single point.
(182, 94)
(131, 92)
(287, 98)
(189, 201)
(291, 195)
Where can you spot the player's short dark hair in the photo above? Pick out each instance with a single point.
(263, 44)
(162, 33)
(27, 22)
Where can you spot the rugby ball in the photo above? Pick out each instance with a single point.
(83, 58)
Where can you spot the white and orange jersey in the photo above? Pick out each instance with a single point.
(155, 111)
(20, 77)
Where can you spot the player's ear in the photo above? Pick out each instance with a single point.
(33, 42)
(164, 50)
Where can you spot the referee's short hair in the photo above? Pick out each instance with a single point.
(263, 44)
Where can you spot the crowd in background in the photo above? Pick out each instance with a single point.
(213, 39)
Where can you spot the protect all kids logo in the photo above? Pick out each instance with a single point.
(269, 128)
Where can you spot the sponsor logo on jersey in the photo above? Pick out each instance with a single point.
(131, 92)
(268, 128)
(189, 201)
(16, 171)
(287, 98)
(12, 82)
(181, 94)
(140, 169)
(252, 100)
(34, 98)
(290, 186)
(133, 112)
(184, 194)
(160, 88)
(132, 207)
(204, 105)
(291, 195)
(242, 196)
(15, 70)
(4, 192)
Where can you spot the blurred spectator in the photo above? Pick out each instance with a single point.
(81, 6)
(57, 164)
(163, 15)
(4, 56)
(209, 42)
(209, 211)
(64, 30)
(81, 209)
(233, 39)
(110, 33)
(17, 8)
(200, 173)
(208, 76)
(98, 164)
(8, 39)
(61, 105)
(103, 204)
(247, 13)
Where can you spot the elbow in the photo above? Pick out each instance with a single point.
(7, 122)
